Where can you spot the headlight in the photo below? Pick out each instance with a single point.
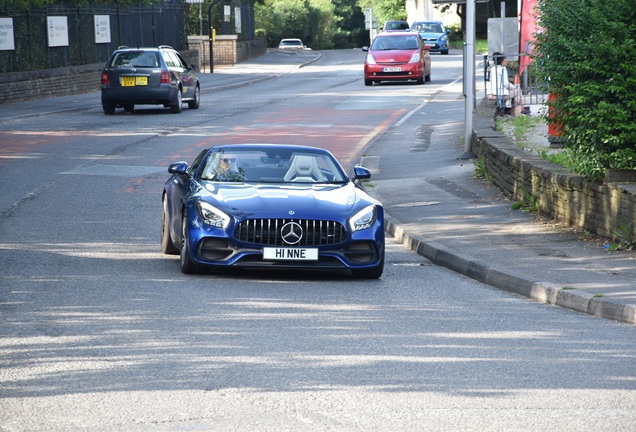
(415, 58)
(363, 219)
(444, 38)
(212, 215)
(370, 60)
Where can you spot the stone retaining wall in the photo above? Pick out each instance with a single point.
(22, 86)
(602, 208)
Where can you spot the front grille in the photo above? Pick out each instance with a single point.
(383, 74)
(268, 232)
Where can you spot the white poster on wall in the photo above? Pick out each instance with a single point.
(57, 30)
(237, 19)
(7, 42)
(102, 28)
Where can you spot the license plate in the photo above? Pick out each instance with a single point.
(290, 254)
(129, 81)
(392, 69)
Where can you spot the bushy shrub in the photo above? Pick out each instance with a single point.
(585, 52)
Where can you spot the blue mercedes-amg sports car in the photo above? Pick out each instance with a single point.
(271, 206)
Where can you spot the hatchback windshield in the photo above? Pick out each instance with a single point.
(382, 43)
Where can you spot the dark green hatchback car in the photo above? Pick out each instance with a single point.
(155, 76)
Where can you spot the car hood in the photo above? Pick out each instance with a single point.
(426, 35)
(390, 56)
(281, 201)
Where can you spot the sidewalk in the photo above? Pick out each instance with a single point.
(463, 223)
(445, 214)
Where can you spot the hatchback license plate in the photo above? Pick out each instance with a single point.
(290, 254)
(129, 81)
(392, 69)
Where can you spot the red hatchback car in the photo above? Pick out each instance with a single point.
(397, 56)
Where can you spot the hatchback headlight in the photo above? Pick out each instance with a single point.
(370, 59)
(363, 219)
(415, 58)
(212, 215)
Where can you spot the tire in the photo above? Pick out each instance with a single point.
(445, 52)
(369, 273)
(420, 80)
(368, 82)
(194, 104)
(185, 262)
(109, 108)
(129, 108)
(167, 245)
(427, 78)
(176, 109)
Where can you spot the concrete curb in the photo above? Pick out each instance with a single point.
(543, 292)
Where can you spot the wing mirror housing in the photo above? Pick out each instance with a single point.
(178, 168)
(361, 173)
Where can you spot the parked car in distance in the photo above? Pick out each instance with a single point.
(291, 44)
(271, 206)
(155, 76)
(434, 34)
(397, 56)
(396, 25)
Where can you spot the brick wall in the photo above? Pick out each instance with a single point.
(599, 207)
(227, 49)
(20, 86)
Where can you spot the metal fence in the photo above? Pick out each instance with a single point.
(160, 23)
(533, 91)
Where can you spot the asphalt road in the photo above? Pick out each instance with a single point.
(100, 331)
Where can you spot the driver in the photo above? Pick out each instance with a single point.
(226, 169)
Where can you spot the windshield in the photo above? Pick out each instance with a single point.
(271, 166)
(387, 43)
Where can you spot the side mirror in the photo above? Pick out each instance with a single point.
(178, 168)
(194, 67)
(361, 173)
(365, 48)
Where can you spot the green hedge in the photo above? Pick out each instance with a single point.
(586, 52)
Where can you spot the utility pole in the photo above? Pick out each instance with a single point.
(469, 78)
(212, 3)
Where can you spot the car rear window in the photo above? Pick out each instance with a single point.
(139, 59)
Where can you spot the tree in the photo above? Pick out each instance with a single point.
(385, 10)
(586, 54)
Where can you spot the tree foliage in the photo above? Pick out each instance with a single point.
(321, 24)
(586, 52)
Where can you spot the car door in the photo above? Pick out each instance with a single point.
(183, 73)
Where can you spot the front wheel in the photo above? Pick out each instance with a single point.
(167, 246)
(187, 265)
(368, 82)
(369, 273)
